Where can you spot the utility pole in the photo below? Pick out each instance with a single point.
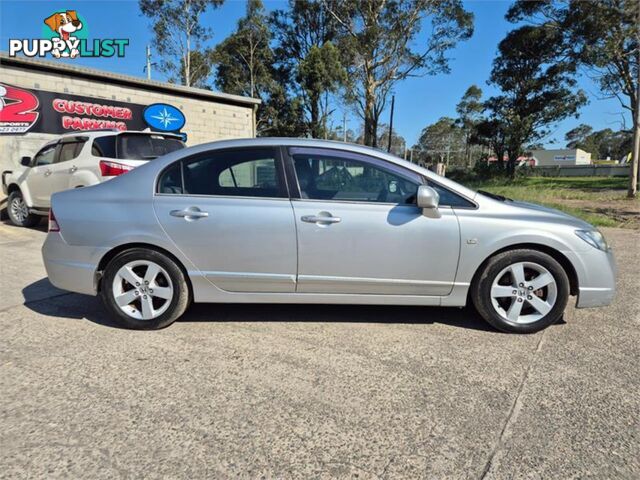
(393, 104)
(148, 68)
(635, 154)
(344, 127)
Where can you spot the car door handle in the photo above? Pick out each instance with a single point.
(47, 173)
(189, 213)
(73, 169)
(320, 219)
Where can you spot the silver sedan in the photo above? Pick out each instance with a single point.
(305, 221)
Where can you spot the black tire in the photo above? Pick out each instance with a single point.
(177, 304)
(482, 285)
(29, 220)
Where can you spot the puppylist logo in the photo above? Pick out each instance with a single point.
(65, 35)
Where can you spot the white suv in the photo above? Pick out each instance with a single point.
(78, 160)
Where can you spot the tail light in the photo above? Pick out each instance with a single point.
(112, 169)
(53, 223)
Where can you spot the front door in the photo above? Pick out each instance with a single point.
(360, 233)
(229, 213)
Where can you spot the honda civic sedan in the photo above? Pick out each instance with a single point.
(313, 222)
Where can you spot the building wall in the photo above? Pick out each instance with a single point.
(561, 157)
(207, 120)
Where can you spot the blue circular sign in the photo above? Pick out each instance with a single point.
(164, 117)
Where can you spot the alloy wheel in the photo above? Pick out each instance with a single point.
(142, 289)
(19, 209)
(524, 292)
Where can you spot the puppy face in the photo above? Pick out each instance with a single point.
(64, 23)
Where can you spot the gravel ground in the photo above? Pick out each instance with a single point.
(312, 392)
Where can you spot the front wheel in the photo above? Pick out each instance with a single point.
(144, 289)
(521, 291)
(19, 211)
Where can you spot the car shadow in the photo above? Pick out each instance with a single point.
(42, 225)
(43, 298)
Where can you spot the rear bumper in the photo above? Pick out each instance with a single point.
(71, 268)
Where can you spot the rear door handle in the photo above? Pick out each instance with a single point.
(190, 213)
(320, 219)
(73, 169)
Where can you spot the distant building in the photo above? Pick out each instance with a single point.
(561, 157)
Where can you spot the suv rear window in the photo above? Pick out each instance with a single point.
(135, 146)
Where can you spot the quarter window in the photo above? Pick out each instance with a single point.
(337, 177)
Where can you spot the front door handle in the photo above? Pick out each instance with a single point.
(320, 219)
(191, 213)
(73, 169)
(47, 173)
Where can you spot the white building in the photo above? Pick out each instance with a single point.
(561, 157)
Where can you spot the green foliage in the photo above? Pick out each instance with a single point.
(180, 38)
(306, 34)
(245, 66)
(538, 88)
(379, 37)
(601, 144)
(441, 142)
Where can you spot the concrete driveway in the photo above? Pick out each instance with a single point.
(320, 392)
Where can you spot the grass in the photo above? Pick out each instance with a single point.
(600, 201)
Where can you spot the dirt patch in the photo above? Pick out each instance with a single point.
(624, 211)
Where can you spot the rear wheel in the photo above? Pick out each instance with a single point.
(19, 211)
(521, 291)
(144, 289)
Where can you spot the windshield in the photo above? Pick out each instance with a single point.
(146, 147)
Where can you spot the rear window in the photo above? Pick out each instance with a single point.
(135, 146)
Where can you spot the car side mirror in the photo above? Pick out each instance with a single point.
(428, 200)
(25, 161)
(427, 197)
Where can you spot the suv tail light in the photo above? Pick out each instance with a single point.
(53, 223)
(112, 169)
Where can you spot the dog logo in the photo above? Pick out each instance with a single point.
(65, 24)
(65, 35)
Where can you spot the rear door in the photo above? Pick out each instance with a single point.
(229, 213)
(64, 165)
(39, 178)
(360, 232)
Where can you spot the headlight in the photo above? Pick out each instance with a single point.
(593, 238)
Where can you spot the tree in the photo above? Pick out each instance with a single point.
(492, 134)
(319, 74)
(442, 142)
(245, 66)
(601, 144)
(306, 34)
(398, 143)
(379, 36)
(538, 88)
(604, 38)
(469, 111)
(179, 38)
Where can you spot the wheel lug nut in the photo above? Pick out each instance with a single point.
(515, 292)
(529, 297)
(522, 284)
(137, 292)
(137, 284)
(146, 282)
(145, 297)
(519, 299)
(150, 290)
(529, 288)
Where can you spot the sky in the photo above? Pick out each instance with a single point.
(419, 101)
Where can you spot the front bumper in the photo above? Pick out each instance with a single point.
(69, 267)
(596, 272)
